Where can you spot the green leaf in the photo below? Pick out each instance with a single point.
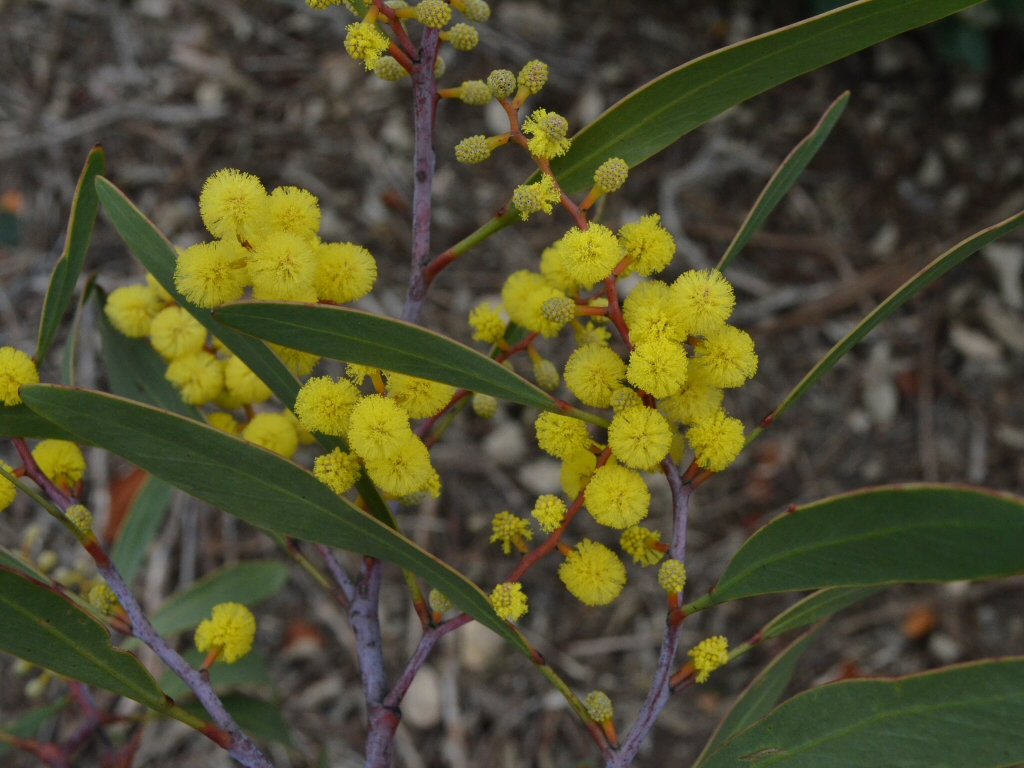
(67, 361)
(815, 607)
(653, 117)
(31, 723)
(158, 257)
(247, 583)
(252, 483)
(145, 517)
(84, 206)
(365, 339)
(904, 533)
(261, 719)
(758, 698)
(43, 627)
(249, 672)
(19, 421)
(135, 370)
(966, 716)
(915, 285)
(784, 178)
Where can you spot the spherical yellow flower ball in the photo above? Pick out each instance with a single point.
(545, 374)
(672, 576)
(131, 309)
(199, 377)
(501, 82)
(695, 401)
(475, 93)
(438, 602)
(506, 527)
(524, 295)
(611, 174)
(324, 405)
(617, 497)
(208, 274)
(298, 362)
(433, 13)
(357, 373)
(232, 204)
(290, 209)
(533, 75)
(593, 373)
(576, 472)
(639, 542)
(174, 333)
(487, 323)
(389, 70)
(640, 437)
(708, 656)
(274, 432)
(554, 265)
(60, 460)
(717, 440)
(403, 470)
(344, 272)
(534, 198)
(509, 601)
(8, 491)
(599, 706)
(726, 357)
(232, 628)
(225, 422)
(591, 255)
(242, 384)
(704, 299)
(561, 436)
(419, 398)
(16, 369)
(549, 131)
(377, 427)
(364, 42)
(593, 573)
(337, 470)
(103, 599)
(658, 367)
(623, 398)
(158, 290)
(80, 517)
(648, 244)
(549, 512)
(283, 267)
(650, 315)
(473, 149)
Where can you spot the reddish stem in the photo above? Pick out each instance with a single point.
(615, 310)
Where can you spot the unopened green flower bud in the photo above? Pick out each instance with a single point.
(80, 517)
(439, 68)
(389, 69)
(102, 598)
(472, 149)
(438, 602)
(476, 10)
(546, 375)
(463, 37)
(672, 576)
(22, 667)
(475, 93)
(624, 398)
(599, 706)
(502, 83)
(413, 499)
(533, 75)
(560, 309)
(611, 174)
(433, 13)
(484, 406)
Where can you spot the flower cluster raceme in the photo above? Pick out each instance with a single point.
(268, 242)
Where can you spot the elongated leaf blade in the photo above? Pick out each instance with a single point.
(135, 370)
(247, 583)
(145, 517)
(158, 257)
(67, 361)
(910, 533)
(21, 421)
(254, 484)
(966, 716)
(784, 178)
(84, 206)
(365, 339)
(9, 560)
(653, 117)
(815, 607)
(43, 627)
(908, 290)
(758, 699)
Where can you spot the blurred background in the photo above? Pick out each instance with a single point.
(930, 150)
